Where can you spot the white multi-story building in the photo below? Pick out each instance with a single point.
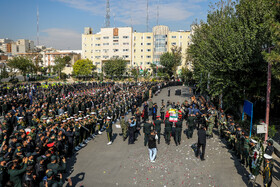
(138, 49)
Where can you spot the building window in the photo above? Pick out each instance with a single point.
(147, 63)
(115, 50)
(115, 40)
(148, 37)
(98, 38)
(106, 37)
(91, 57)
(105, 57)
(125, 36)
(97, 57)
(125, 43)
(97, 51)
(174, 43)
(105, 43)
(91, 51)
(105, 50)
(125, 49)
(148, 43)
(85, 45)
(134, 50)
(115, 37)
(181, 36)
(173, 36)
(141, 50)
(148, 56)
(85, 51)
(141, 56)
(115, 43)
(141, 43)
(148, 50)
(97, 44)
(125, 56)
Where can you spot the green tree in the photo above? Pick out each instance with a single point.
(83, 67)
(272, 55)
(171, 60)
(115, 67)
(60, 64)
(4, 73)
(135, 73)
(23, 64)
(226, 51)
(186, 75)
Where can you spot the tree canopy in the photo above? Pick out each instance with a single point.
(171, 60)
(60, 64)
(226, 51)
(83, 67)
(115, 67)
(23, 64)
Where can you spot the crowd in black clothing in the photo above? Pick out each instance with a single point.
(45, 124)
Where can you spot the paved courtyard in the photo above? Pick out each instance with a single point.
(123, 165)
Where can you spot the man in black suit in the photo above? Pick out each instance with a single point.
(201, 142)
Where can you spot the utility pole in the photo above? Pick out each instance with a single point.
(107, 14)
(147, 18)
(37, 26)
(268, 96)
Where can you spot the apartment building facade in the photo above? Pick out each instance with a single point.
(140, 50)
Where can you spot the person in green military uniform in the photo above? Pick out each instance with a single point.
(51, 182)
(268, 169)
(4, 177)
(191, 125)
(167, 131)
(210, 125)
(124, 126)
(178, 131)
(15, 173)
(109, 130)
(147, 130)
(246, 148)
(55, 167)
(221, 124)
(158, 123)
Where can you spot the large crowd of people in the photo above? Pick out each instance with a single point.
(44, 124)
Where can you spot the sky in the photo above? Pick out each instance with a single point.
(61, 22)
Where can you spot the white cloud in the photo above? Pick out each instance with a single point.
(61, 38)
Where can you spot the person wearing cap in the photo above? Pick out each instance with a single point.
(124, 126)
(50, 181)
(269, 148)
(268, 169)
(158, 123)
(210, 124)
(147, 130)
(40, 169)
(178, 131)
(109, 130)
(55, 167)
(190, 125)
(3, 172)
(201, 142)
(16, 173)
(246, 149)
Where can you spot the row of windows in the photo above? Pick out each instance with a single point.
(115, 37)
(147, 37)
(106, 56)
(148, 56)
(148, 50)
(106, 50)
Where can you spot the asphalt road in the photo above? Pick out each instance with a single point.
(123, 165)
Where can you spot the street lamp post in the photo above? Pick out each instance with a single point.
(268, 96)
